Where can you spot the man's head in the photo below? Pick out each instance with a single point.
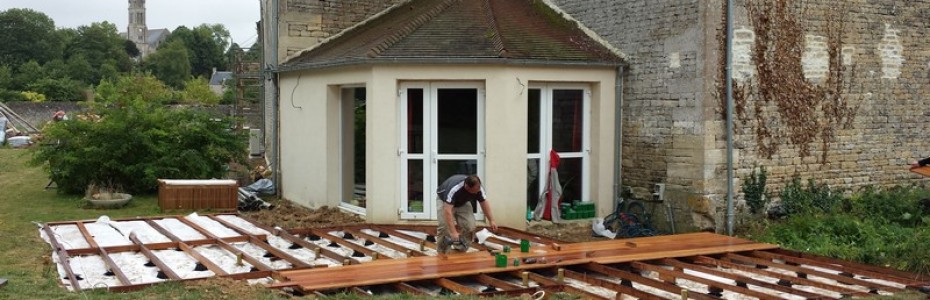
(473, 184)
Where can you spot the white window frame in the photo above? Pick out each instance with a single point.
(430, 156)
(545, 135)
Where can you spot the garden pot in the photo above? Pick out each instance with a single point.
(109, 200)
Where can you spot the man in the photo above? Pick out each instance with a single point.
(920, 163)
(457, 197)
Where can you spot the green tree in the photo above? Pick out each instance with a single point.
(27, 35)
(26, 74)
(100, 43)
(133, 87)
(134, 144)
(197, 91)
(78, 68)
(131, 48)
(58, 89)
(206, 44)
(170, 64)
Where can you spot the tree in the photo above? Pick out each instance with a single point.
(197, 91)
(206, 44)
(170, 64)
(25, 74)
(134, 144)
(27, 35)
(100, 43)
(131, 48)
(133, 87)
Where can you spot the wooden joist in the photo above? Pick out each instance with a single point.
(615, 267)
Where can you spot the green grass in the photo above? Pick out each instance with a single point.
(26, 259)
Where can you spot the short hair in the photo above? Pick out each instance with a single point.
(471, 180)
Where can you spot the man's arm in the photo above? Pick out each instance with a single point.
(487, 214)
(450, 220)
(921, 163)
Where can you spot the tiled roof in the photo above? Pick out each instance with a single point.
(461, 31)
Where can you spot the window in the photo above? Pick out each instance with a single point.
(558, 120)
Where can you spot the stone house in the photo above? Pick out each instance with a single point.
(840, 103)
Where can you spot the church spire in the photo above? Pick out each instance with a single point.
(137, 32)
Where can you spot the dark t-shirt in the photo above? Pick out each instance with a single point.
(453, 191)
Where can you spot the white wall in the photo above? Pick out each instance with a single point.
(309, 120)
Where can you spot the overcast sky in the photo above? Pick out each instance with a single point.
(239, 16)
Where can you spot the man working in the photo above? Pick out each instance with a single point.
(920, 163)
(457, 197)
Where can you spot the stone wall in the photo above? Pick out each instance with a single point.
(673, 132)
(305, 23)
(39, 113)
(667, 136)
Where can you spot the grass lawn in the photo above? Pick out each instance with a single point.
(26, 260)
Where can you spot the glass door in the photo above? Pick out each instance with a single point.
(442, 135)
(558, 120)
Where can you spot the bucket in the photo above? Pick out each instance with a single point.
(500, 261)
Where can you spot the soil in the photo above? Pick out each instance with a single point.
(288, 215)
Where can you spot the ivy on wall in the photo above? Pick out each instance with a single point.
(787, 109)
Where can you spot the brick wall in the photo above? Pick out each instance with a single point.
(673, 134)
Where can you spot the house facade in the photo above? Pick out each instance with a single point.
(871, 54)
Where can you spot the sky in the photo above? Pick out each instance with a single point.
(239, 16)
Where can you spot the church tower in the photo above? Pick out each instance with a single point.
(137, 32)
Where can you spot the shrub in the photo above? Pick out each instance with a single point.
(135, 143)
(754, 190)
(812, 199)
(10, 96)
(33, 96)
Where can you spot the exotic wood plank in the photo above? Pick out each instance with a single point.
(63, 257)
(455, 286)
(789, 278)
(513, 233)
(710, 283)
(925, 170)
(154, 259)
(322, 250)
(667, 287)
(232, 249)
(921, 280)
(264, 245)
(473, 263)
(546, 281)
(619, 288)
(406, 251)
(812, 272)
(405, 236)
(495, 282)
(107, 260)
(202, 260)
(739, 278)
(332, 238)
(407, 288)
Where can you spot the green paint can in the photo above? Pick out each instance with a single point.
(524, 245)
(500, 261)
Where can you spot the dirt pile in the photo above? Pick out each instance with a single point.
(288, 215)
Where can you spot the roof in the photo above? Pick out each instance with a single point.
(462, 31)
(219, 77)
(157, 35)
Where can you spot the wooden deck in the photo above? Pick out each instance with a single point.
(695, 265)
(453, 265)
(380, 259)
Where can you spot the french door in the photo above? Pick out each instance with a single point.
(442, 134)
(558, 119)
